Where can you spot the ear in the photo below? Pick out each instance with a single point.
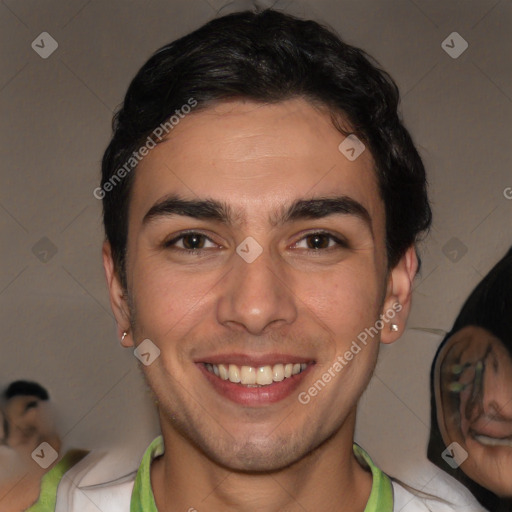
(118, 301)
(397, 303)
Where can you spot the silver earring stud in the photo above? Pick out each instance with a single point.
(394, 327)
(124, 335)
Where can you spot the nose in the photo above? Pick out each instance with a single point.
(497, 394)
(257, 295)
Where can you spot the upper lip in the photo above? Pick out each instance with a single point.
(254, 360)
(498, 428)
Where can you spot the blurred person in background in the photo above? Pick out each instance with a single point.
(471, 392)
(31, 464)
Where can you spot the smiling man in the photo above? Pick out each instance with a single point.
(262, 201)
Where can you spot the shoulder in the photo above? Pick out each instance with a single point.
(441, 493)
(100, 481)
(433, 499)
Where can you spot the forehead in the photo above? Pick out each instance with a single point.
(472, 334)
(256, 156)
(473, 339)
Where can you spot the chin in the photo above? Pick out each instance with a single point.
(257, 457)
(254, 462)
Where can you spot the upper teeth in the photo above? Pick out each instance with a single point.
(252, 376)
(493, 441)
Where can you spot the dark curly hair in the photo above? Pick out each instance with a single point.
(269, 57)
(26, 388)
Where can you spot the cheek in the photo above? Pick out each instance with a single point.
(492, 471)
(503, 381)
(167, 300)
(346, 299)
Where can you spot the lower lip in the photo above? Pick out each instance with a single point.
(253, 397)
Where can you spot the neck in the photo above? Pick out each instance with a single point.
(329, 478)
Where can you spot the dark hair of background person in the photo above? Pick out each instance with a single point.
(269, 57)
(26, 388)
(489, 306)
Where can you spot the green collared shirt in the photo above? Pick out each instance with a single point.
(143, 500)
(50, 481)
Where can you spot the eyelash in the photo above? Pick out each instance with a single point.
(171, 244)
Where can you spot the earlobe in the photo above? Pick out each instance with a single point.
(117, 294)
(397, 304)
(126, 341)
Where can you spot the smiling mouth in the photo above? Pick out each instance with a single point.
(255, 377)
(492, 441)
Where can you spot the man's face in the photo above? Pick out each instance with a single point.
(30, 421)
(473, 386)
(316, 285)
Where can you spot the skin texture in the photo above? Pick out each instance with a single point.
(258, 159)
(474, 402)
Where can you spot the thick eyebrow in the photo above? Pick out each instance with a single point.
(209, 209)
(319, 208)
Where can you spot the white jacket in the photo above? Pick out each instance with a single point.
(85, 488)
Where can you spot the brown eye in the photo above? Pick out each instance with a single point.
(320, 241)
(191, 241)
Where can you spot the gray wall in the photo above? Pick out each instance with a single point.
(56, 324)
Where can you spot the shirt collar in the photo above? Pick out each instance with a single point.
(50, 481)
